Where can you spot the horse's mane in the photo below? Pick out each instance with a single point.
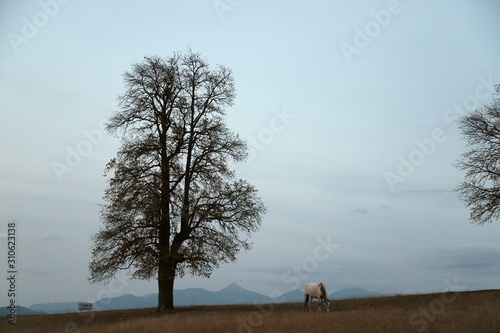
(323, 290)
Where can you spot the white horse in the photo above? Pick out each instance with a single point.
(316, 290)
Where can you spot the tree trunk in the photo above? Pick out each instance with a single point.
(166, 276)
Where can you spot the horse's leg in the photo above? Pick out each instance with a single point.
(306, 302)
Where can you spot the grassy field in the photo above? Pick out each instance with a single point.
(464, 312)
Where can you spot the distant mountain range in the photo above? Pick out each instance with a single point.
(20, 310)
(232, 294)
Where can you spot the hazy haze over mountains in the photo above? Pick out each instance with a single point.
(232, 294)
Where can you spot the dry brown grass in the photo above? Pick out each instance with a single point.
(464, 312)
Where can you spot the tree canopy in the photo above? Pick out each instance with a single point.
(173, 204)
(481, 162)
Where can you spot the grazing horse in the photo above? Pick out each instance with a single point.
(316, 290)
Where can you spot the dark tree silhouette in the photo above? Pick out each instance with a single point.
(173, 205)
(481, 162)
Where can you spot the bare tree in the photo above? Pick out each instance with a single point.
(481, 162)
(173, 205)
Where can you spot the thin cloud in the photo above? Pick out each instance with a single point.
(362, 211)
(473, 259)
(430, 191)
(49, 239)
(38, 273)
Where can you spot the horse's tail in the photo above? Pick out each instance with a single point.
(306, 301)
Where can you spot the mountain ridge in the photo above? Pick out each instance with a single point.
(231, 294)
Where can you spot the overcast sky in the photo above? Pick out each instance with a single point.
(349, 109)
